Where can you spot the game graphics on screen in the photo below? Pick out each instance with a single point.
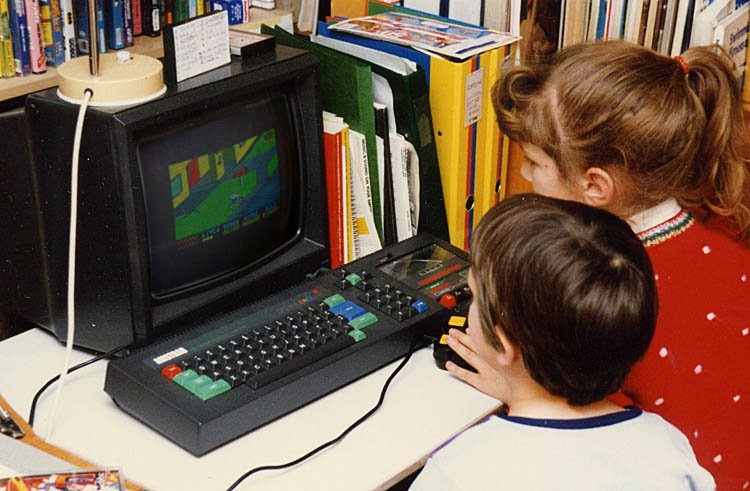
(219, 193)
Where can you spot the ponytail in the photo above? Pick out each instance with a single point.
(722, 178)
(672, 127)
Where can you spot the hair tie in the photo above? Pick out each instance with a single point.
(683, 64)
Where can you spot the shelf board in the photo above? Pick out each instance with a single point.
(19, 86)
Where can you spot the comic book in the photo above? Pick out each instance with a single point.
(444, 38)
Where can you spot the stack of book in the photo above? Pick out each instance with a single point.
(35, 34)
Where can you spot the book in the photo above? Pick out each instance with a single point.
(7, 68)
(706, 20)
(127, 18)
(365, 238)
(390, 233)
(45, 18)
(20, 36)
(151, 12)
(441, 37)
(68, 29)
(135, 6)
(333, 153)
(115, 23)
(37, 57)
(413, 119)
(731, 33)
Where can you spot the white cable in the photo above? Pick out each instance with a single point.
(71, 258)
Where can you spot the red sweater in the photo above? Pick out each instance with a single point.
(696, 373)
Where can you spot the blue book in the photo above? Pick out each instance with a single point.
(20, 34)
(82, 27)
(601, 22)
(115, 22)
(101, 27)
(58, 41)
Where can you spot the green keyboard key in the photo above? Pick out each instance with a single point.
(358, 335)
(334, 300)
(196, 383)
(353, 279)
(363, 321)
(206, 392)
(183, 378)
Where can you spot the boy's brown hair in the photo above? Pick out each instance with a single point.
(624, 107)
(571, 286)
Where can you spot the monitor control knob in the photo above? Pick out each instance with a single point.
(122, 56)
(448, 300)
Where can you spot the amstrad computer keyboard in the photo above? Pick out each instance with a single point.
(222, 379)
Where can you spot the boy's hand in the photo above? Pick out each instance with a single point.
(486, 379)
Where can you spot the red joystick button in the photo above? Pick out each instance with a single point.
(448, 300)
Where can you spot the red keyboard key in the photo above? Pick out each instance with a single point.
(170, 371)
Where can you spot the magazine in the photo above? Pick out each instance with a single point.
(444, 38)
(81, 480)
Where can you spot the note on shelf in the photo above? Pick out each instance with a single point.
(196, 46)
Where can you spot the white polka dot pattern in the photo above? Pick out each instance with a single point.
(659, 401)
(698, 369)
(717, 459)
(736, 398)
(706, 250)
(710, 316)
(746, 331)
(663, 352)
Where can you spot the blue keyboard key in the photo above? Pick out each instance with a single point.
(348, 309)
(420, 306)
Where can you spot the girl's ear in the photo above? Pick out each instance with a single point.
(509, 352)
(597, 187)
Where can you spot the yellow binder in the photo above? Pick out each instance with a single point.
(471, 151)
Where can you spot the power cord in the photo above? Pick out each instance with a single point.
(54, 379)
(88, 93)
(343, 434)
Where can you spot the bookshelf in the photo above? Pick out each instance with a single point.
(20, 86)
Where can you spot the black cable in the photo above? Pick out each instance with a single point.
(343, 434)
(54, 379)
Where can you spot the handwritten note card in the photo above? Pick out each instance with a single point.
(200, 45)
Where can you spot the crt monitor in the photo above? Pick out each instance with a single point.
(203, 200)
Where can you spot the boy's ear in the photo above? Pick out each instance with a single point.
(509, 352)
(598, 188)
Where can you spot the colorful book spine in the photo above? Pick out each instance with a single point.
(7, 68)
(151, 12)
(36, 43)
(58, 41)
(135, 12)
(101, 26)
(68, 29)
(115, 22)
(45, 18)
(20, 34)
(192, 8)
(127, 16)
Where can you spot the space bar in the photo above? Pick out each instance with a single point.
(291, 366)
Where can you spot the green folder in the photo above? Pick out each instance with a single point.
(346, 88)
(411, 107)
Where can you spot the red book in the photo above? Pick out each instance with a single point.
(333, 153)
(135, 12)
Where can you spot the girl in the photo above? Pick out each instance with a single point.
(661, 142)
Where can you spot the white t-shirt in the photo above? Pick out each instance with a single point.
(629, 450)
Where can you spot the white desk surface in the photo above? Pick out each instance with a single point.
(424, 408)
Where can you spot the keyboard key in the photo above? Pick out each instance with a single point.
(170, 371)
(185, 377)
(420, 306)
(357, 335)
(207, 392)
(301, 361)
(353, 279)
(196, 383)
(457, 321)
(334, 300)
(363, 321)
(348, 309)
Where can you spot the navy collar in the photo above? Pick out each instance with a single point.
(577, 424)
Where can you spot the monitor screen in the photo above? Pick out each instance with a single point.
(222, 191)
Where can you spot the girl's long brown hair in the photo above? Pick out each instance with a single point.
(622, 106)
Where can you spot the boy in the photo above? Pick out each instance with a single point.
(564, 305)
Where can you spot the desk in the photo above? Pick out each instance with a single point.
(424, 408)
